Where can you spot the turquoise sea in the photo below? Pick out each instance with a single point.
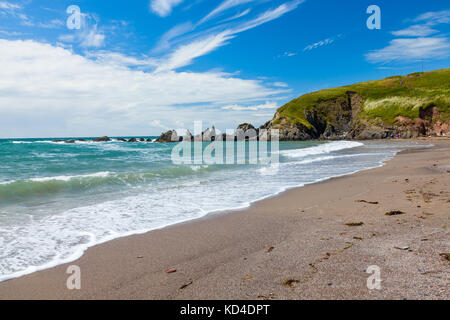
(58, 199)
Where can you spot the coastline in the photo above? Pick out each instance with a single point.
(249, 253)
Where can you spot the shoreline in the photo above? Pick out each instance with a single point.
(211, 214)
(117, 255)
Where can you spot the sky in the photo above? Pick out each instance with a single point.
(138, 68)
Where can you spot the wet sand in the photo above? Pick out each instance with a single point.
(314, 242)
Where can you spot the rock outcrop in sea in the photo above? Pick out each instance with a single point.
(102, 139)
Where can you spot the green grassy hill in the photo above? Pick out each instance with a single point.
(412, 105)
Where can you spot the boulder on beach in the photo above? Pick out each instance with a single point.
(132, 140)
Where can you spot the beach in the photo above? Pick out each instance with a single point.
(312, 242)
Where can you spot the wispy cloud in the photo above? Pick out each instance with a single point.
(4, 5)
(119, 60)
(225, 5)
(269, 15)
(286, 54)
(267, 105)
(420, 45)
(417, 30)
(53, 24)
(319, 44)
(436, 17)
(165, 41)
(163, 8)
(237, 16)
(280, 84)
(15, 11)
(10, 33)
(208, 41)
(427, 20)
(89, 35)
(158, 124)
(411, 49)
(92, 38)
(185, 54)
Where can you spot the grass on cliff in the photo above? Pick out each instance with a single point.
(384, 99)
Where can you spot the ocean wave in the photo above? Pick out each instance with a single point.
(63, 141)
(33, 187)
(321, 149)
(68, 178)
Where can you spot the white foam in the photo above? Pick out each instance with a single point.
(103, 174)
(68, 178)
(321, 149)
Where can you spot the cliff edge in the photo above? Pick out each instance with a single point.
(406, 106)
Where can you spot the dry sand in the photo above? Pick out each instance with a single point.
(293, 246)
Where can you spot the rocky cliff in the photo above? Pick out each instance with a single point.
(407, 106)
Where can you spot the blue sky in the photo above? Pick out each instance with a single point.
(142, 67)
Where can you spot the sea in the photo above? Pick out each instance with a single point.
(58, 199)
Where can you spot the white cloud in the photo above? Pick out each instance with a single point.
(319, 44)
(434, 18)
(92, 38)
(269, 15)
(10, 33)
(55, 23)
(15, 11)
(280, 84)
(411, 49)
(178, 30)
(237, 16)
(119, 60)
(225, 5)
(9, 6)
(186, 53)
(89, 35)
(417, 30)
(287, 54)
(421, 47)
(50, 91)
(163, 8)
(67, 38)
(235, 107)
(263, 115)
(428, 20)
(157, 124)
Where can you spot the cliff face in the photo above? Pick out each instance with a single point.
(409, 106)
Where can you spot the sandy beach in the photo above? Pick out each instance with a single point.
(314, 242)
